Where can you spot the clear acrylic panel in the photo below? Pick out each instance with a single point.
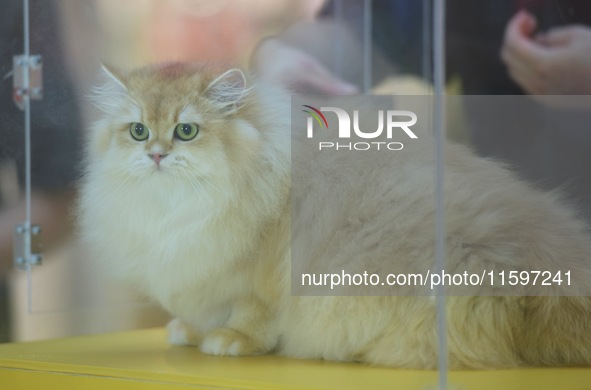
(476, 68)
(67, 293)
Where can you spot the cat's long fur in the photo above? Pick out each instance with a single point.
(208, 234)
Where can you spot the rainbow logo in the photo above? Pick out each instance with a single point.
(317, 115)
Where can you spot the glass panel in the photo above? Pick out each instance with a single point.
(69, 290)
(503, 62)
(489, 61)
(67, 293)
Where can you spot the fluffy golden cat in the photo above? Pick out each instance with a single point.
(187, 196)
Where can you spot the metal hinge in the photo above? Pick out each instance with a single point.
(27, 246)
(27, 84)
(20, 66)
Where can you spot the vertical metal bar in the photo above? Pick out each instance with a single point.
(439, 127)
(337, 10)
(367, 52)
(27, 101)
(427, 44)
(27, 106)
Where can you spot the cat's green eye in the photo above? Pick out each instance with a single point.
(138, 131)
(186, 131)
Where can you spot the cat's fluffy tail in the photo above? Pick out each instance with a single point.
(556, 331)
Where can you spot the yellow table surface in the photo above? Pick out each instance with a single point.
(143, 360)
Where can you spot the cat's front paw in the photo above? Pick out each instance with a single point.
(180, 333)
(228, 342)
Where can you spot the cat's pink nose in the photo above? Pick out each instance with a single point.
(157, 157)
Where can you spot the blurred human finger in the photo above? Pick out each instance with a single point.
(558, 36)
(519, 43)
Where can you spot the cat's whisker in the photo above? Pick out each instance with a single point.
(188, 171)
(209, 183)
(122, 183)
(120, 175)
(201, 192)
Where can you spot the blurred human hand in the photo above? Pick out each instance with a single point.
(296, 70)
(557, 62)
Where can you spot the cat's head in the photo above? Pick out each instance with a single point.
(175, 121)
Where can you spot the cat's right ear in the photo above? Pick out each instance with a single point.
(111, 94)
(115, 75)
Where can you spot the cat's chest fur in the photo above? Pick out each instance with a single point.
(168, 240)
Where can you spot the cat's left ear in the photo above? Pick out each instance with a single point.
(229, 90)
(115, 75)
